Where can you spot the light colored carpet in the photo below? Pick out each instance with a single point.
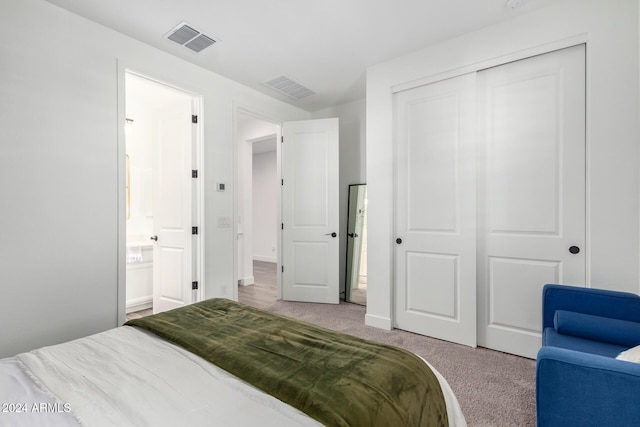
(493, 388)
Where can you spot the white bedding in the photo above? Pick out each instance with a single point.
(128, 377)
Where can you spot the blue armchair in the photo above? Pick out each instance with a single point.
(579, 382)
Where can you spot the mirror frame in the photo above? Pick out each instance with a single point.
(351, 219)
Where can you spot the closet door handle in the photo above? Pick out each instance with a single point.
(334, 234)
(399, 241)
(154, 238)
(574, 250)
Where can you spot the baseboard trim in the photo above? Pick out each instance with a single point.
(378, 322)
(247, 281)
(265, 258)
(138, 304)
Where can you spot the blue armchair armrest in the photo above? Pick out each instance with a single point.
(582, 389)
(597, 302)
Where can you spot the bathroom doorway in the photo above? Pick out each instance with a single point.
(163, 246)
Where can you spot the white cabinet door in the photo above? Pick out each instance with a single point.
(310, 240)
(531, 192)
(435, 278)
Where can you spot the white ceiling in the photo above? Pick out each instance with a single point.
(325, 45)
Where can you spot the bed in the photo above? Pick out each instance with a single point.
(222, 363)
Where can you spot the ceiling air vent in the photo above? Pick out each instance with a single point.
(186, 35)
(289, 87)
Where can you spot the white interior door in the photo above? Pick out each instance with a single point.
(531, 192)
(310, 226)
(435, 278)
(172, 205)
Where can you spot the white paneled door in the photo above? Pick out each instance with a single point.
(435, 292)
(172, 205)
(531, 195)
(490, 199)
(310, 240)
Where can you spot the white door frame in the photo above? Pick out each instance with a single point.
(198, 190)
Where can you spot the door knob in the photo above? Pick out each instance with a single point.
(399, 241)
(154, 238)
(353, 234)
(334, 234)
(574, 250)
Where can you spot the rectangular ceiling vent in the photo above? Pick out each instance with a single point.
(289, 87)
(186, 35)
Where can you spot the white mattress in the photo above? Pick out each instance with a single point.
(128, 377)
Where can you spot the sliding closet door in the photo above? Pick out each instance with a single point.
(435, 275)
(531, 192)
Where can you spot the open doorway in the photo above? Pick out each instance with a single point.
(258, 212)
(162, 144)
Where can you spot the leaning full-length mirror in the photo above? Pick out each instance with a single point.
(356, 277)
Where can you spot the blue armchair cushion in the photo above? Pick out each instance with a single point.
(606, 329)
(550, 338)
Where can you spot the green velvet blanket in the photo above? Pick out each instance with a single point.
(337, 379)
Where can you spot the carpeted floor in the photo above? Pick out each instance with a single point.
(493, 388)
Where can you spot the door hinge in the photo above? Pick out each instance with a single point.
(282, 268)
(194, 118)
(282, 225)
(282, 181)
(281, 138)
(194, 230)
(194, 286)
(194, 173)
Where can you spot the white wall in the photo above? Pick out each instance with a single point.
(353, 142)
(265, 207)
(62, 193)
(611, 31)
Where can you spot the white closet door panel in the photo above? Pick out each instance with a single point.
(509, 300)
(431, 155)
(531, 192)
(430, 278)
(524, 175)
(435, 210)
